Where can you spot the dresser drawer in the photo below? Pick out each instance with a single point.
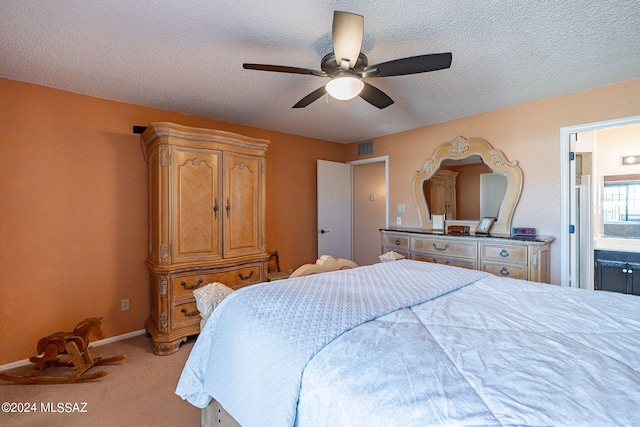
(446, 248)
(471, 264)
(184, 285)
(516, 254)
(185, 314)
(505, 270)
(395, 242)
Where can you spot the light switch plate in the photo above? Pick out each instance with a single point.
(399, 220)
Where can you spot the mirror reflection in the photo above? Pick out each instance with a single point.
(465, 189)
(621, 206)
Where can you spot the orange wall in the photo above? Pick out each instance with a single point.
(528, 133)
(73, 210)
(73, 204)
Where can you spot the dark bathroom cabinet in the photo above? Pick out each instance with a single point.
(617, 272)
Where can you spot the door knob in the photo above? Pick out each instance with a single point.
(323, 231)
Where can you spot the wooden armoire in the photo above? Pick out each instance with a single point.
(206, 221)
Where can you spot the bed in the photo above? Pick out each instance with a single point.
(411, 343)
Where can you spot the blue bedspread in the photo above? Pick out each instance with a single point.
(416, 344)
(253, 350)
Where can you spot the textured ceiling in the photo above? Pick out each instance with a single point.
(187, 55)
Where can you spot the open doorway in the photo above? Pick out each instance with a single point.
(597, 150)
(352, 208)
(370, 208)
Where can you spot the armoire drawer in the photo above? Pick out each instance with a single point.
(515, 254)
(505, 270)
(246, 275)
(184, 285)
(185, 314)
(446, 248)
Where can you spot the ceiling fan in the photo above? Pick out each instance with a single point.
(347, 67)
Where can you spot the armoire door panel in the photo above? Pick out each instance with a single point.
(196, 220)
(242, 209)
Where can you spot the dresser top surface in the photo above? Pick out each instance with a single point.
(538, 240)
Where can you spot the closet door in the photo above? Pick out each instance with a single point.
(196, 204)
(243, 204)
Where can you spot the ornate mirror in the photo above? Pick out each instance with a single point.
(466, 180)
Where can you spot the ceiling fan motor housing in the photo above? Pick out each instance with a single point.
(330, 66)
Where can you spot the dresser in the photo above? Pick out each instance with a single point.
(206, 221)
(516, 258)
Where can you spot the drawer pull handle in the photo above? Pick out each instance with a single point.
(189, 314)
(504, 253)
(441, 249)
(216, 208)
(398, 242)
(196, 286)
(504, 271)
(246, 277)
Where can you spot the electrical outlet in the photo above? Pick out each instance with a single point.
(400, 207)
(125, 304)
(399, 220)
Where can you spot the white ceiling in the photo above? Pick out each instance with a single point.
(187, 56)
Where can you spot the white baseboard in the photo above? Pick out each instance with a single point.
(109, 340)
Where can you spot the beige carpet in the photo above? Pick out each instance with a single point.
(138, 391)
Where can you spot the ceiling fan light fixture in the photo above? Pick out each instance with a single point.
(345, 87)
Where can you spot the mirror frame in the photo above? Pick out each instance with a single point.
(461, 148)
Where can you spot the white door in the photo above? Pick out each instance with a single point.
(334, 209)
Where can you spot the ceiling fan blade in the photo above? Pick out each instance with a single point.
(311, 97)
(375, 96)
(284, 69)
(412, 65)
(347, 33)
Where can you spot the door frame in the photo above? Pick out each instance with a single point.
(566, 182)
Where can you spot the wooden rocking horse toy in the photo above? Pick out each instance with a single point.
(74, 344)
